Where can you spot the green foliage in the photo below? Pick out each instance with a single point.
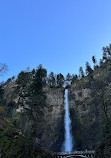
(1, 92)
(37, 96)
(81, 72)
(74, 78)
(39, 156)
(94, 59)
(8, 81)
(2, 111)
(14, 145)
(68, 77)
(104, 149)
(106, 53)
(88, 68)
(23, 78)
(101, 62)
(60, 80)
(30, 86)
(52, 80)
(39, 79)
(104, 56)
(2, 101)
(17, 119)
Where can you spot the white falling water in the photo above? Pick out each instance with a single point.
(68, 144)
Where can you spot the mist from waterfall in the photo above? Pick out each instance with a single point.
(68, 143)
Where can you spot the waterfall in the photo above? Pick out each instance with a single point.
(68, 144)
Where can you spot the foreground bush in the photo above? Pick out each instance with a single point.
(14, 145)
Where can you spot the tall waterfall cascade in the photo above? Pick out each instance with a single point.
(68, 143)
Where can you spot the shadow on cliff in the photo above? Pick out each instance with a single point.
(57, 146)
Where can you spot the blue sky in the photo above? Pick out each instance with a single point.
(59, 34)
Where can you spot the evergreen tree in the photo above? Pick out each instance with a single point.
(74, 78)
(2, 100)
(37, 96)
(23, 79)
(8, 81)
(109, 50)
(68, 77)
(30, 90)
(94, 61)
(13, 78)
(52, 80)
(39, 80)
(33, 72)
(104, 54)
(60, 80)
(23, 82)
(88, 68)
(81, 72)
(101, 62)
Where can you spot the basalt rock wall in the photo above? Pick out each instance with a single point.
(90, 107)
(50, 126)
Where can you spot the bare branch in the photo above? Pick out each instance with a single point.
(3, 69)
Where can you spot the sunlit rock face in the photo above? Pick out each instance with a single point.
(87, 109)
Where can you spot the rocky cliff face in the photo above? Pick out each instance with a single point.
(90, 107)
(90, 110)
(49, 129)
(53, 115)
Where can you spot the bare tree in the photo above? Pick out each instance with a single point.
(3, 69)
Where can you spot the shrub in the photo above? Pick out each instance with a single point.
(2, 111)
